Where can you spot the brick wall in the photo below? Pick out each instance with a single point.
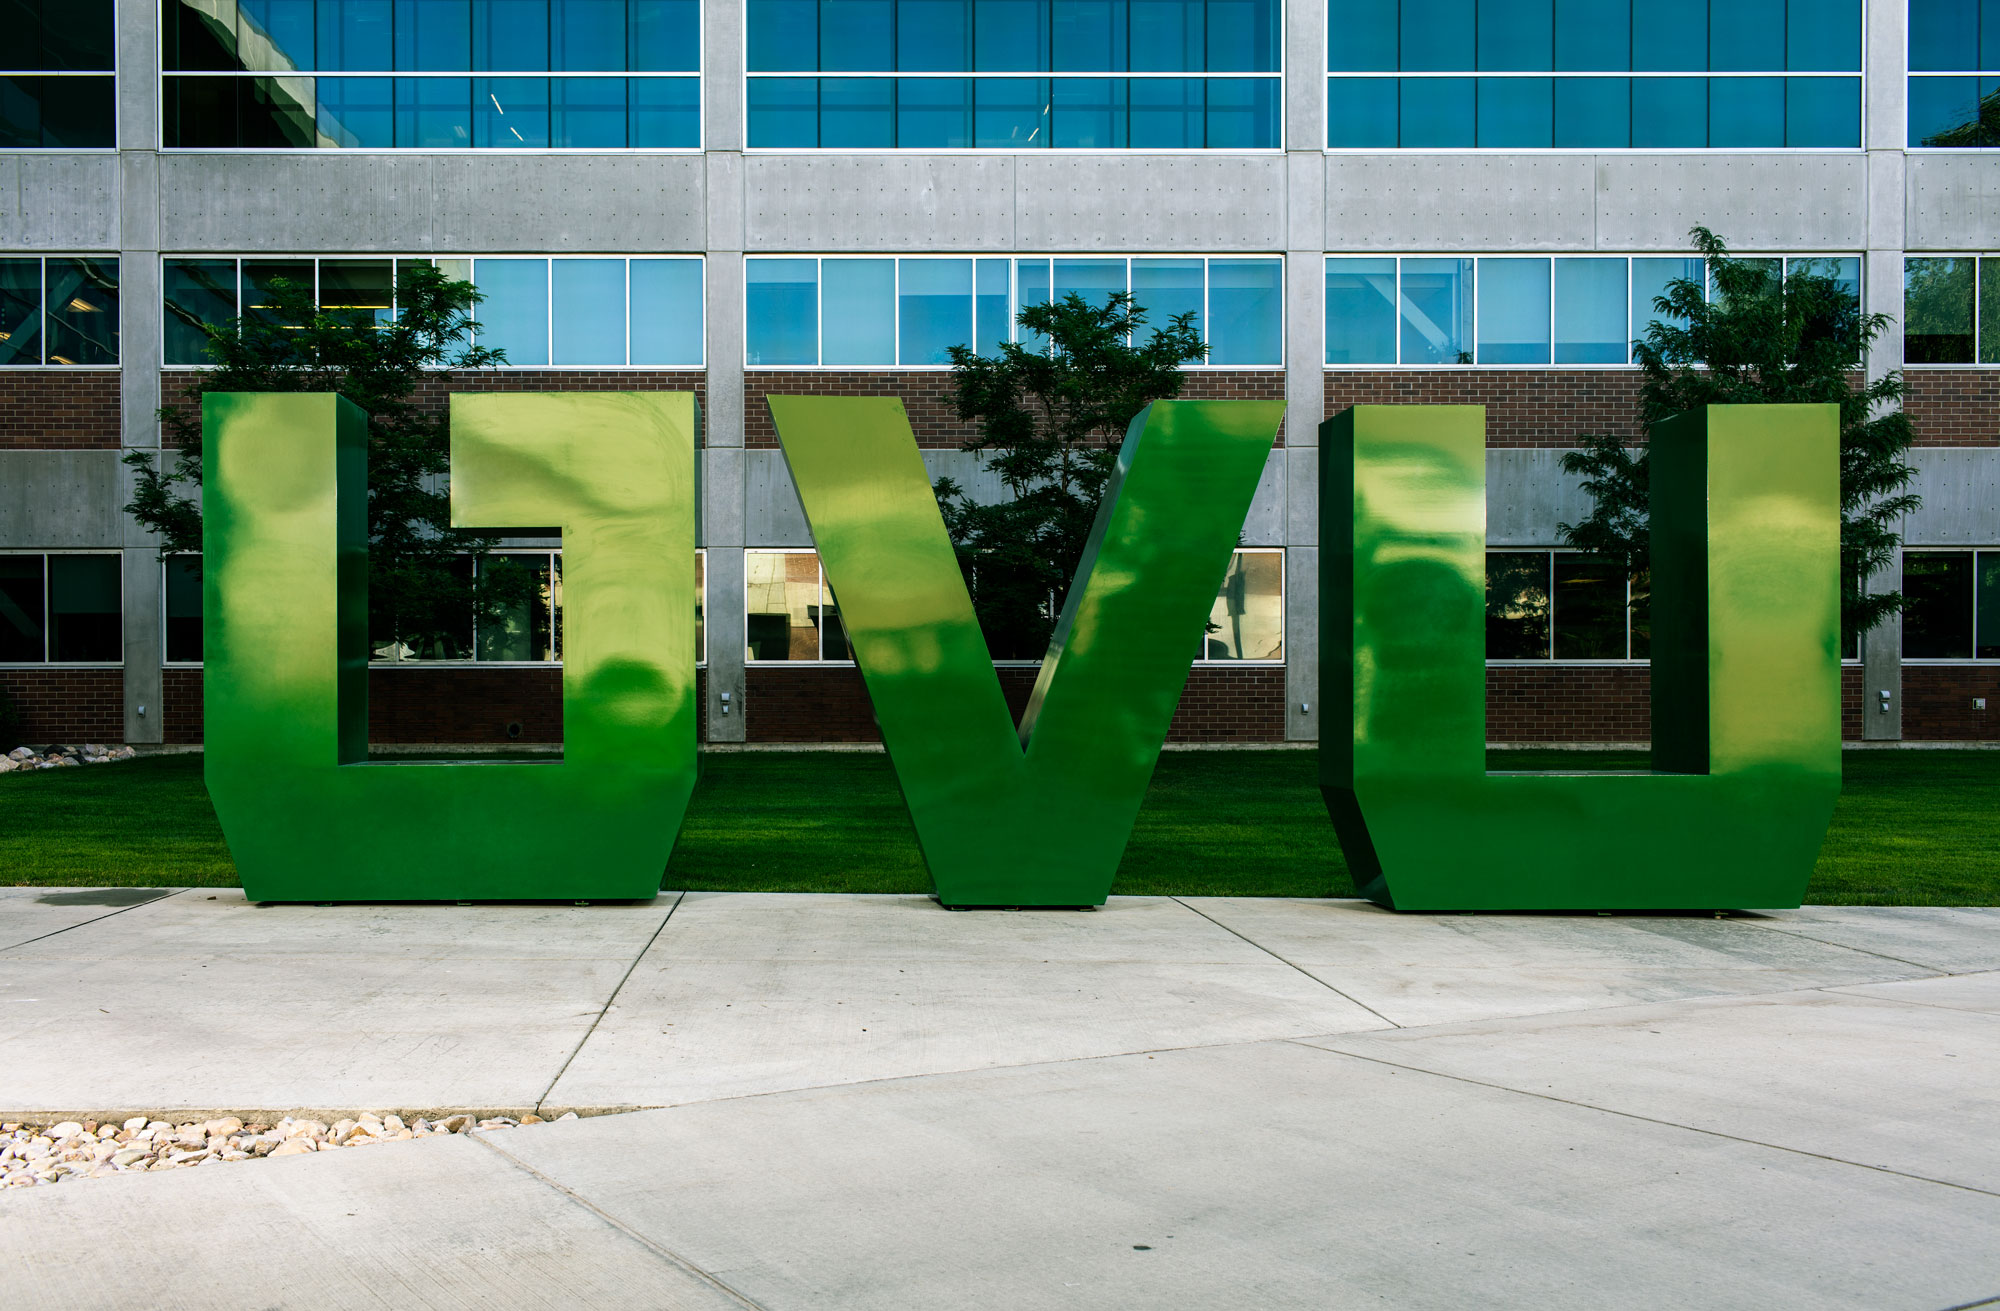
(1953, 407)
(1602, 703)
(1527, 407)
(70, 706)
(926, 397)
(57, 409)
(1937, 703)
(180, 707)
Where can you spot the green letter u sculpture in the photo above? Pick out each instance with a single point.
(1745, 674)
(1038, 816)
(285, 638)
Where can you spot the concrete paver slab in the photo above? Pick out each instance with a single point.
(439, 1223)
(1950, 939)
(30, 913)
(1265, 1175)
(1965, 992)
(1444, 969)
(743, 995)
(1897, 1087)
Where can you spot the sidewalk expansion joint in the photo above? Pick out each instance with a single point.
(1880, 955)
(606, 1008)
(98, 919)
(1665, 1124)
(1282, 961)
(660, 1250)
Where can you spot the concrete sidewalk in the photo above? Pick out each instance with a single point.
(869, 1102)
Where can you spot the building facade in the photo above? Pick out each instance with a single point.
(1361, 201)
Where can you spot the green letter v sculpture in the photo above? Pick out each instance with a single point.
(285, 633)
(1745, 674)
(1038, 816)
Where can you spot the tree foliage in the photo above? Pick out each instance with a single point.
(1051, 413)
(1766, 337)
(420, 590)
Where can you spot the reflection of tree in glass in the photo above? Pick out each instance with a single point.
(1981, 129)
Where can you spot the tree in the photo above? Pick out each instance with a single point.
(421, 592)
(1767, 337)
(1050, 419)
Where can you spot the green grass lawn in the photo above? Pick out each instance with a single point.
(1913, 828)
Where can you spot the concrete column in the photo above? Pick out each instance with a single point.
(139, 347)
(723, 481)
(1305, 405)
(1885, 134)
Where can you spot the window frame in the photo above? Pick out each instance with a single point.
(1979, 259)
(42, 259)
(1013, 302)
(1204, 660)
(117, 110)
(44, 555)
(1976, 552)
(1549, 553)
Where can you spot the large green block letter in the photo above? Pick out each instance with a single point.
(1745, 673)
(285, 639)
(1037, 816)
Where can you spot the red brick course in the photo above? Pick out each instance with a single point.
(1524, 407)
(69, 706)
(1600, 703)
(1953, 407)
(57, 409)
(1937, 703)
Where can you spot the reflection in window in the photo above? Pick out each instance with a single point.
(182, 609)
(1778, 80)
(1563, 605)
(1247, 621)
(1951, 307)
(59, 310)
(51, 100)
(1954, 54)
(883, 312)
(61, 609)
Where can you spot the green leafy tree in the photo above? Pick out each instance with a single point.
(421, 587)
(1050, 420)
(1767, 337)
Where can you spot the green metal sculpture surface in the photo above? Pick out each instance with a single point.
(1745, 674)
(285, 687)
(1037, 816)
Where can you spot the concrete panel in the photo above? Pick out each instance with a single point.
(1755, 202)
(1302, 496)
(1151, 202)
(970, 471)
(1950, 938)
(446, 203)
(724, 637)
(1305, 346)
(59, 202)
(1412, 203)
(1887, 208)
(1265, 524)
(772, 514)
(138, 64)
(878, 202)
(722, 74)
(1305, 93)
(30, 913)
(1527, 495)
(725, 203)
(139, 346)
(61, 500)
(1954, 201)
(145, 646)
(721, 522)
(139, 203)
(1302, 709)
(1961, 491)
(722, 420)
(1885, 60)
(1305, 200)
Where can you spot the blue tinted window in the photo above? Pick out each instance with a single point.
(1824, 37)
(1944, 34)
(510, 35)
(1166, 113)
(933, 113)
(1092, 279)
(510, 113)
(935, 307)
(587, 311)
(196, 292)
(1941, 104)
(783, 37)
(1246, 299)
(432, 36)
(1009, 111)
(1166, 36)
(1746, 112)
(1437, 113)
(1593, 113)
(360, 112)
(1516, 112)
(1593, 36)
(1361, 112)
(1361, 311)
(1747, 35)
(781, 311)
(666, 311)
(666, 112)
(1010, 36)
(1516, 36)
(1989, 35)
(1242, 114)
(855, 36)
(1242, 36)
(354, 34)
(934, 36)
(1437, 36)
(1437, 311)
(587, 35)
(1513, 311)
(1670, 35)
(857, 112)
(1590, 312)
(783, 112)
(857, 311)
(992, 301)
(283, 27)
(1843, 269)
(434, 111)
(1088, 113)
(1364, 40)
(1164, 288)
(1823, 111)
(514, 316)
(587, 113)
(1669, 112)
(1088, 36)
(21, 309)
(1650, 278)
(665, 36)
(1031, 277)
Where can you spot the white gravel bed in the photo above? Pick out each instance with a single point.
(32, 1154)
